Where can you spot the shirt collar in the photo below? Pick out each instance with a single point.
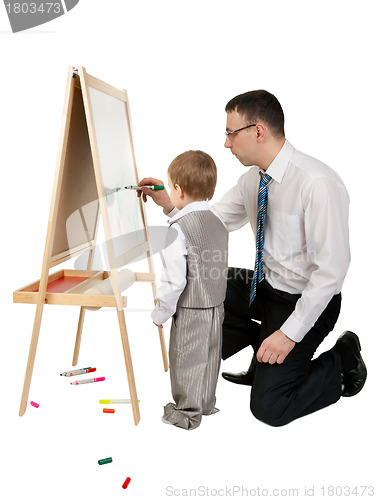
(278, 166)
(191, 207)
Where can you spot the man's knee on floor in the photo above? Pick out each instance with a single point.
(269, 411)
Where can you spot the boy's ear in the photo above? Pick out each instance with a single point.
(179, 190)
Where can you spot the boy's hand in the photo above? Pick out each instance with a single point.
(160, 197)
(159, 326)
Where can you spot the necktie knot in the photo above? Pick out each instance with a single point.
(265, 178)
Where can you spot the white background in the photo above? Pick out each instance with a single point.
(180, 62)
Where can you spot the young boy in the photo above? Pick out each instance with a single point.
(193, 290)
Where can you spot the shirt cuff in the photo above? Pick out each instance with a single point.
(160, 315)
(294, 329)
(173, 212)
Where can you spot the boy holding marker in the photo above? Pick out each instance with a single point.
(193, 289)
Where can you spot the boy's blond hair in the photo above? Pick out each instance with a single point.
(196, 173)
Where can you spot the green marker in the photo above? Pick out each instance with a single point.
(105, 461)
(154, 188)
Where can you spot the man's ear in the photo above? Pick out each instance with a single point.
(260, 131)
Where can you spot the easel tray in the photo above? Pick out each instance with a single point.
(67, 287)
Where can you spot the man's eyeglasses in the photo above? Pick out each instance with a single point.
(229, 134)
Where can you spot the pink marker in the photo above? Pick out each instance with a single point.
(34, 404)
(88, 380)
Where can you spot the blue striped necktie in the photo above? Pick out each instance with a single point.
(262, 201)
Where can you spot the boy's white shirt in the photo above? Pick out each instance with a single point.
(174, 270)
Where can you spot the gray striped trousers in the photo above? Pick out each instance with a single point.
(195, 357)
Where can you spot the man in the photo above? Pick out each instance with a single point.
(298, 210)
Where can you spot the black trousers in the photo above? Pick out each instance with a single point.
(299, 386)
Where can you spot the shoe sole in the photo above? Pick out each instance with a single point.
(249, 384)
(359, 388)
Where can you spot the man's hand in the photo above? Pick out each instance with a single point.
(160, 197)
(275, 348)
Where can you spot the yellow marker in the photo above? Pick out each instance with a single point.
(114, 401)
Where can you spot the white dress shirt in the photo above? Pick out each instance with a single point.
(306, 236)
(174, 270)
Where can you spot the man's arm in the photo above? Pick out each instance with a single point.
(326, 213)
(230, 208)
(327, 239)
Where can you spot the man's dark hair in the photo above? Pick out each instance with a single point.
(259, 105)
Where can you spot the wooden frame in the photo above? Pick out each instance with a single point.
(67, 287)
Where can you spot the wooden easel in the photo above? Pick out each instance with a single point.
(78, 183)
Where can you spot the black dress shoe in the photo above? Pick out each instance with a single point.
(243, 378)
(353, 380)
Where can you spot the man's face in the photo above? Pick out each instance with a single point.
(242, 143)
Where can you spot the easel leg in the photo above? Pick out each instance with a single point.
(31, 359)
(163, 347)
(78, 336)
(129, 366)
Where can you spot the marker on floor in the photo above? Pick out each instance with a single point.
(126, 482)
(105, 461)
(81, 371)
(88, 381)
(36, 405)
(108, 410)
(115, 401)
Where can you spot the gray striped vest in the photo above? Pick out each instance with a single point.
(207, 242)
